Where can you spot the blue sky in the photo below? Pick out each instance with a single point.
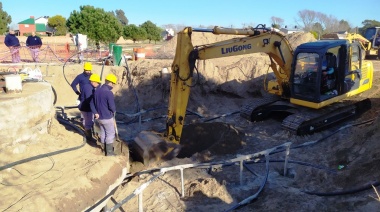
(194, 13)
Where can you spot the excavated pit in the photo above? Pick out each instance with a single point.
(212, 139)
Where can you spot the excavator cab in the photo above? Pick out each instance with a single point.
(315, 71)
(373, 35)
(327, 69)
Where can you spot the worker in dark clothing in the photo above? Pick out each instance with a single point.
(34, 44)
(12, 42)
(86, 106)
(105, 112)
(82, 79)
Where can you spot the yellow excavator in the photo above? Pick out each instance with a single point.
(310, 83)
(370, 42)
(372, 34)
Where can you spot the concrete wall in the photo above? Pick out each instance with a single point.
(25, 115)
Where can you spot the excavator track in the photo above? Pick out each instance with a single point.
(256, 111)
(303, 121)
(309, 122)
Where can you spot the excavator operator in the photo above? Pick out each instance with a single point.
(328, 75)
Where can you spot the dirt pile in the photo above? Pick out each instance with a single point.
(167, 51)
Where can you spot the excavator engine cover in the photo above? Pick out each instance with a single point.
(150, 147)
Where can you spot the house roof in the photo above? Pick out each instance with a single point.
(42, 17)
(40, 28)
(27, 21)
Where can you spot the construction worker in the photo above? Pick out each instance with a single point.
(106, 108)
(34, 44)
(87, 107)
(80, 42)
(82, 79)
(12, 42)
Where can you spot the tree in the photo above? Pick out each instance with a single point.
(134, 33)
(153, 32)
(121, 17)
(5, 19)
(344, 26)
(317, 30)
(277, 22)
(308, 18)
(98, 25)
(321, 23)
(58, 22)
(368, 23)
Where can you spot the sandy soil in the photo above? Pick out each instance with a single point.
(345, 161)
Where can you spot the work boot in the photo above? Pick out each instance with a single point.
(89, 137)
(109, 150)
(101, 146)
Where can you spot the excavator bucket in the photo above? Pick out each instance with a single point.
(149, 147)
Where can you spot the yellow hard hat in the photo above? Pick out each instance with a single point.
(112, 78)
(95, 78)
(87, 66)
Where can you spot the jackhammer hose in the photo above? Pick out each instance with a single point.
(254, 196)
(344, 192)
(55, 95)
(63, 68)
(325, 137)
(297, 162)
(54, 92)
(62, 121)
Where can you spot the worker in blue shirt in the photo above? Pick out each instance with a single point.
(82, 79)
(34, 44)
(87, 106)
(105, 112)
(12, 42)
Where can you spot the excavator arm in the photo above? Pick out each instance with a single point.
(364, 43)
(352, 37)
(257, 40)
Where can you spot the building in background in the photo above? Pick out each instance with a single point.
(38, 25)
(168, 34)
(44, 20)
(287, 30)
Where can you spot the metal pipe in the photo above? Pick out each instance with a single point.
(287, 152)
(182, 184)
(241, 172)
(140, 202)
